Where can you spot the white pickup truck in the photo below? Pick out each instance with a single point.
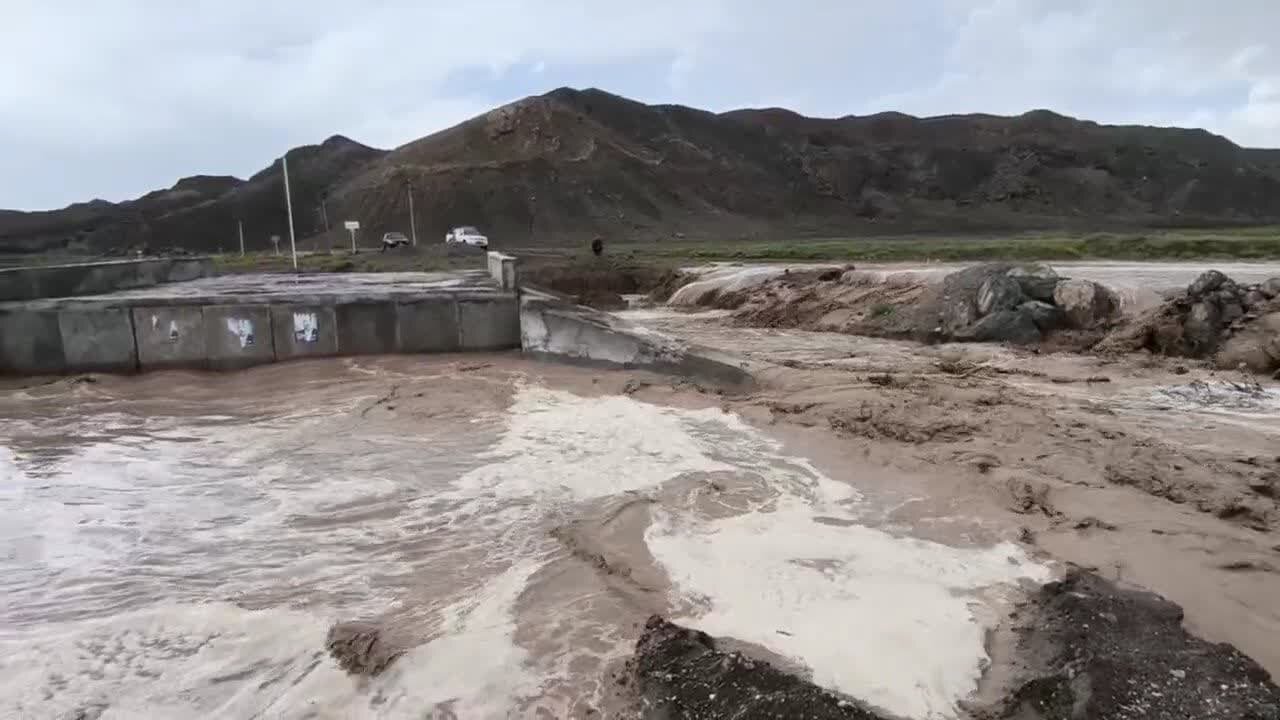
(466, 235)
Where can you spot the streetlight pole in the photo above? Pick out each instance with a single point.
(413, 226)
(240, 228)
(288, 201)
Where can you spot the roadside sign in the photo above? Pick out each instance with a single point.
(352, 226)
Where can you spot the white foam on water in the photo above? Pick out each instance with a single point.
(475, 668)
(219, 660)
(171, 661)
(557, 443)
(886, 619)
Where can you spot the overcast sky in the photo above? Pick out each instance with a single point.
(112, 98)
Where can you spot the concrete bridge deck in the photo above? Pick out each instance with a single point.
(235, 321)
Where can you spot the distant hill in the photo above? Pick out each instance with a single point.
(575, 163)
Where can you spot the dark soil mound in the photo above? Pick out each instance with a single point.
(680, 675)
(1214, 316)
(1109, 654)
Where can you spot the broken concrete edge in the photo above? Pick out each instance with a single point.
(553, 329)
(232, 335)
(52, 281)
(502, 270)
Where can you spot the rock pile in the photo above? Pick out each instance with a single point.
(1236, 325)
(1003, 302)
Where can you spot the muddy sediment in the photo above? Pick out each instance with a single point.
(601, 282)
(363, 648)
(1086, 648)
(1235, 325)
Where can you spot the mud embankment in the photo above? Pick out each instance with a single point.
(602, 282)
(1030, 305)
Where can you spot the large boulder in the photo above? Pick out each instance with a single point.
(1037, 280)
(1270, 288)
(1257, 347)
(1209, 281)
(1011, 326)
(956, 304)
(1085, 303)
(1202, 327)
(1046, 316)
(997, 293)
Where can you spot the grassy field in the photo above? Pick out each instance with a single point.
(1243, 243)
(403, 260)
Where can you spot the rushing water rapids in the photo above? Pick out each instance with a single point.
(177, 545)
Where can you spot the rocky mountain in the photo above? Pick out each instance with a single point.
(199, 212)
(576, 163)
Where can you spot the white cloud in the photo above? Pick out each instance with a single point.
(113, 99)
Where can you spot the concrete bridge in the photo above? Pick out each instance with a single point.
(127, 317)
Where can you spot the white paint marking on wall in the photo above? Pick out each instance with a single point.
(155, 323)
(173, 331)
(242, 328)
(305, 328)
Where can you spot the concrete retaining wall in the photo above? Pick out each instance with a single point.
(30, 283)
(553, 328)
(83, 336)
(502, 268)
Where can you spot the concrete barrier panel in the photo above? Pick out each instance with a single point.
(555, 329)
(367, 328)
(502, 269)
(428, 326)
(98, 340)
(238, 336)
(30, 343)
(170, 336)
(301, 331)
(29, 283)
(489, 324)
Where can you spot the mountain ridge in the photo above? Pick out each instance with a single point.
(571, 164)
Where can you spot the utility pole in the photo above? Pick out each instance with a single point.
(288, 201)
(413, 226)
(324, 211)
(533, 213)
(240, 228)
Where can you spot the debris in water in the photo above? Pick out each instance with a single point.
(361, 648)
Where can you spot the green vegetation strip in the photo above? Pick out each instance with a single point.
(1246, 244)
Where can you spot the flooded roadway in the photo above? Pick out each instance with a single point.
(177, 545)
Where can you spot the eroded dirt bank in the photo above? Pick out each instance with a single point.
(1233, 324)
(1150, 473)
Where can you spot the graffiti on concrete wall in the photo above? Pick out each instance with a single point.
(242, 328)
(173, 328)
(305, 327)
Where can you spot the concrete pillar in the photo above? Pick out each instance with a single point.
(488, 324)
(367, 328)
(301, 331)
(429, 325)
(98, 340)
(170, 337)
(30, 343)
(502, 268)
(238, 336)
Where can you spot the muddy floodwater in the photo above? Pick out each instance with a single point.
(177, 545)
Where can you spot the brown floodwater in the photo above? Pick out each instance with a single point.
(177, 545)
